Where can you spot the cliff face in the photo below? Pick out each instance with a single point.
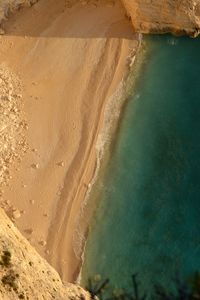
(163, 16)
(24, 274)
(148, 16)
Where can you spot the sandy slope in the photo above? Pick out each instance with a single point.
(70, 61)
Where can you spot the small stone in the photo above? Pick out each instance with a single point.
(61, 164)
(30, 239)
(34, 150)
(29, 231)
(35, 166)
(47, 252)
(43, 243)
(32, 201)
(8, 202)
(16, 214)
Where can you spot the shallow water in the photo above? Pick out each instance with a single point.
(148, 217)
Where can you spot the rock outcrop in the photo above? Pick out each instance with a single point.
(165, 16)
(24, 274)
(7, 6)
(148, 16)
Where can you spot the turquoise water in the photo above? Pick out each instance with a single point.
(148, 217)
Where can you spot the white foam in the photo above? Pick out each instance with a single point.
(111, 116)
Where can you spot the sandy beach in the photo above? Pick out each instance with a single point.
(70, 60)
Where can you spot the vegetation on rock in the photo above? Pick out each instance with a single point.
(183, 290)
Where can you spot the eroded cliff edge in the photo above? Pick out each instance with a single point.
(24, 274)
(148, 16)
(165, 16)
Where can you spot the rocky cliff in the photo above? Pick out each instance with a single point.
(7, 6)
(148, 16)
(165, 16)
(24, 274)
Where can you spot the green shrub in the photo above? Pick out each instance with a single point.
(5, 259)
(10, 280)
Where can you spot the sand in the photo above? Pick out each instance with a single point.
(71, 59)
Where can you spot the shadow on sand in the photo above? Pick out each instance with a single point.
(50, 18)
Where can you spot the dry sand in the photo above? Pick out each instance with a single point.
(70, 58)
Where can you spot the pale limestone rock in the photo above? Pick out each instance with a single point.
(16, 214)
(36, 279)
(35, 166)
(8, 6)
(165, 16)
(43, 243)
(61, 164)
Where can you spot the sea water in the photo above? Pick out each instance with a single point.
(147, 219)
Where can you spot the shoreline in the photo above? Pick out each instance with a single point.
(64, 102)
(103, 137)
(109, 139)
(116, 218)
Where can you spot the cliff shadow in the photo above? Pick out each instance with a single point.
(59, 19)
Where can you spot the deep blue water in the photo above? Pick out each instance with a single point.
(148, 217)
